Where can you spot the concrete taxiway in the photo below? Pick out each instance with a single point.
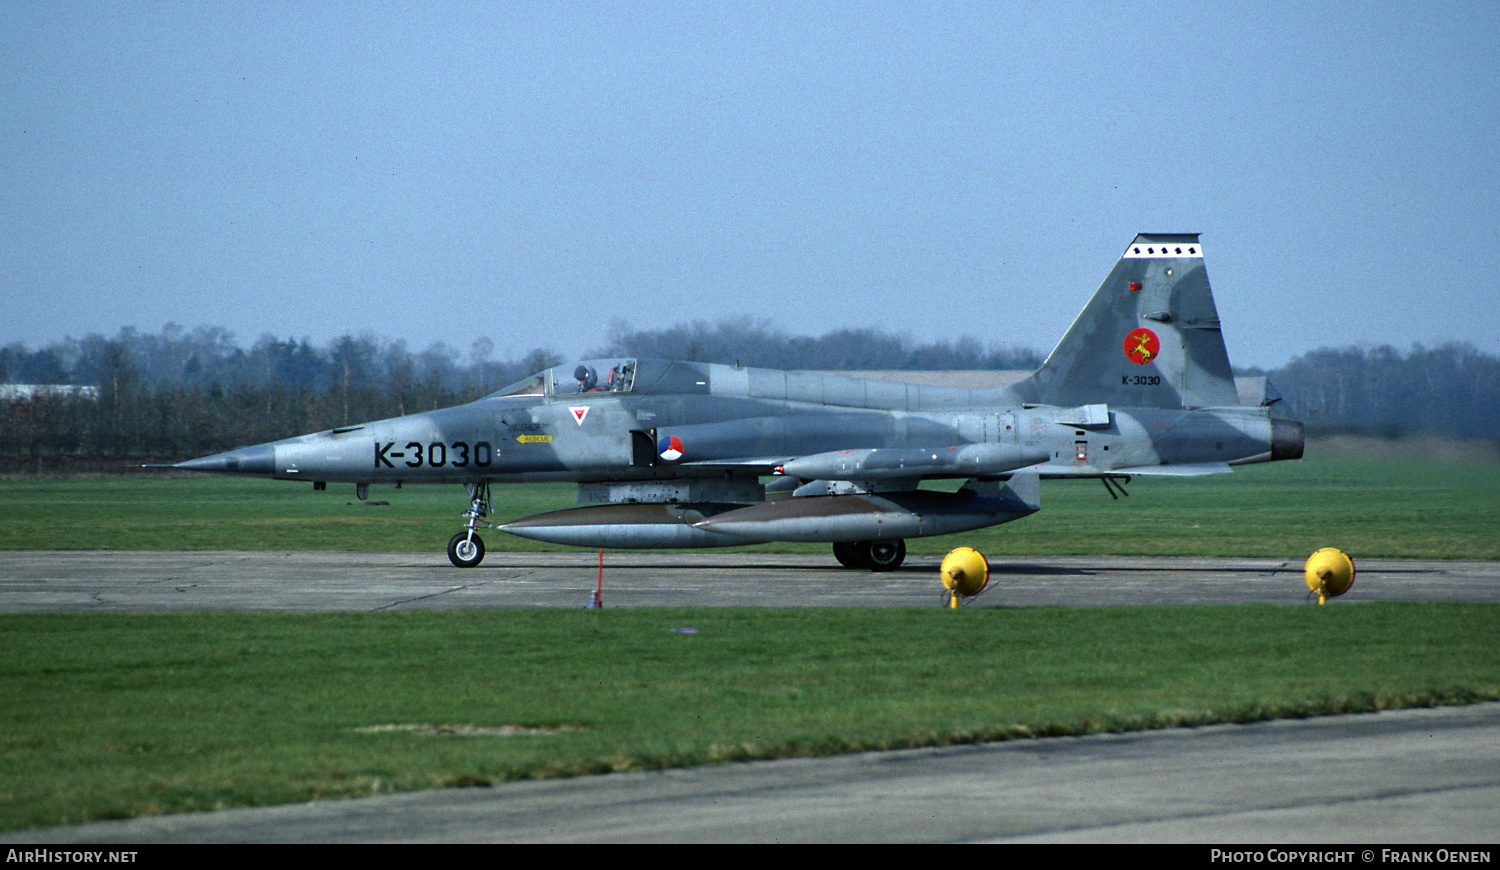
(104, 581)
(1409, 776)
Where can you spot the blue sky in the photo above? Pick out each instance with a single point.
(530, 173)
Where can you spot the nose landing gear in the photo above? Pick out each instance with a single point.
(466, 549)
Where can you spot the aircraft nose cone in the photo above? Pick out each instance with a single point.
(260, 459)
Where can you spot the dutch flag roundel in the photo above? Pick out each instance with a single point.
(670, 448)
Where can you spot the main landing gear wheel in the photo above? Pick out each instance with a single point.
(885, 555)
(465, 550)
(874, 555)
(847, 552)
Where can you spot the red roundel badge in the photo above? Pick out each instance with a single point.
(670, 448)
(1142, 345)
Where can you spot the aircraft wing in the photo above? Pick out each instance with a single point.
(893, 463)
(761, 465)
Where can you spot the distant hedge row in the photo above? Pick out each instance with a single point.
(1452, 389)
(181, 394)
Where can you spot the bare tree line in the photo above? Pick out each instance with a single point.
(1452, 389)
(182, 393)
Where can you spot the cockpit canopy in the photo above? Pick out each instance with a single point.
(589, 376)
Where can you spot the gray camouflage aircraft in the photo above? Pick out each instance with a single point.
(676, 453)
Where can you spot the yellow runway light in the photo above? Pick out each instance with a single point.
(965, 574)
(1330, 573)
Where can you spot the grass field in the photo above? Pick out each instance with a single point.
(1369, 500)
(109, 716)
(106, 716)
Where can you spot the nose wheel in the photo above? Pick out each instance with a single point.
(466, 549)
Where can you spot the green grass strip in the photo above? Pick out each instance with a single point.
(109, 716)
(1368, 504)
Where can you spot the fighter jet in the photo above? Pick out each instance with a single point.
(693, 454)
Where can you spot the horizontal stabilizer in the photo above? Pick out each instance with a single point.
(1201, 469)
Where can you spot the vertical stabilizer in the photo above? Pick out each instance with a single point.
(1149, 338)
